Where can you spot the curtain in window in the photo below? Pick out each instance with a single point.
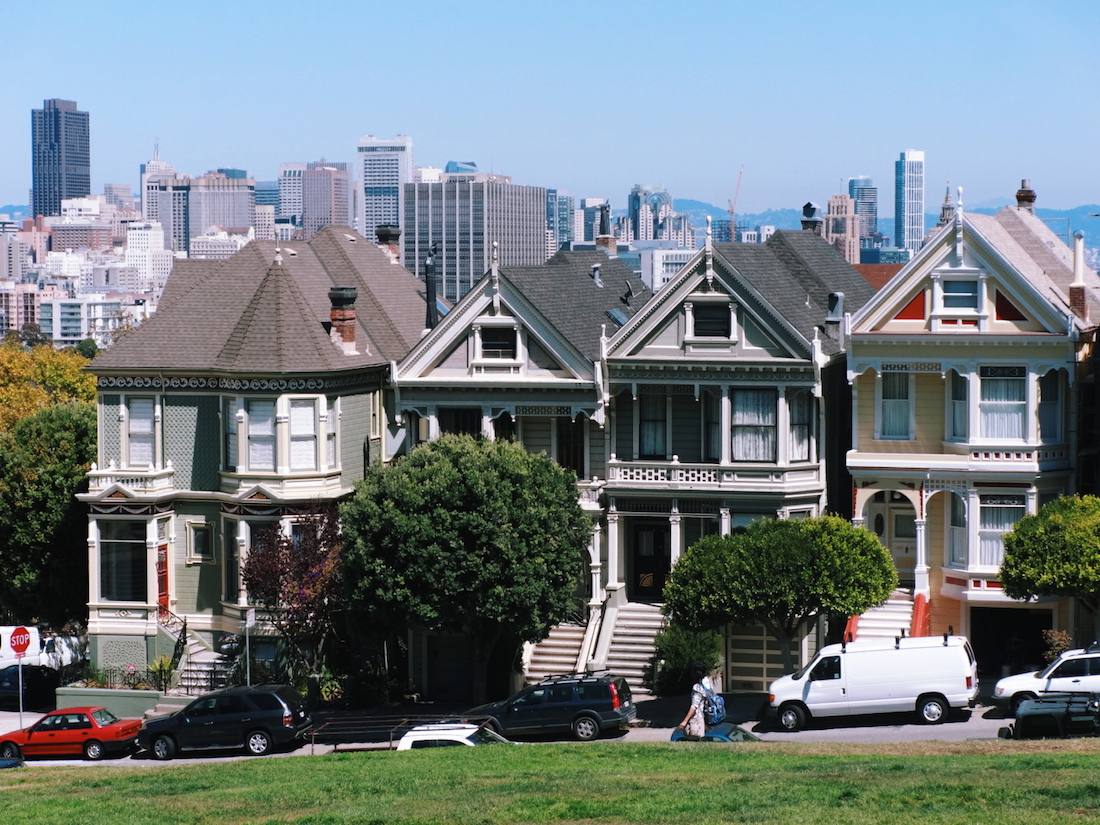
(261, 435)
(141, 452)
(1003, 408)
(895, 405)
(303, 435)
(800, 410)
(998, 515)
(229, 419)
(754, 425)
(651, 415)
(957, 551)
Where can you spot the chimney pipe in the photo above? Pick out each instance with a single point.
(1025, 196)
(1077, 289)
(431, 314)
(343, 318)
(596, 275)
(389, 237)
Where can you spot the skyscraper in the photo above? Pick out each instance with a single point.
(862, 190)
(325, 193)
(909, 201)
(150, 171)
(385, 167)
(462, 216)
(60, 155)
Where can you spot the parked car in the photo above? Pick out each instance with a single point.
(584, 704)
(257, 718)
(1074, 671)
(722, 732)
(449, 735)
(1055, 715)
(39, 686)
(91, 732)
(926, 674)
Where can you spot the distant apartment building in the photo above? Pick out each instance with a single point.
(463, 216)
(659, 266)
(167, 201)
(385, 168)
(651, 218)
(218, 200)
(265, 222)
(863, 191)
(842, 226)
(909, 200)
(60, 155)
(149, 171)
(146, 252)
(67, 321)
(326, 193)
(19, 303)
(559, 221)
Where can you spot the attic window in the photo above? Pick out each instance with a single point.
(960, 294)
(498, 343)
(711, 320)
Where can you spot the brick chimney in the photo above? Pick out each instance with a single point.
(342, 316)
(389, 238)
(1077, 301)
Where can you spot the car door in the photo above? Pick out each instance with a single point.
(526, 711)
(231, 714)
(559, 708)
(1073, 675)
(73, 733)
(826, 692)
(42, 737)
(196, 723)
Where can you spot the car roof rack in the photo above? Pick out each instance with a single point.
(565, 677)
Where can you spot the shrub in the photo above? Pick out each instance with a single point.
(677, 651)
(1057, 642)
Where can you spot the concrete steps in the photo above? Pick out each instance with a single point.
(632, 647)
(557, 653)
(888, 621)
(203, 670)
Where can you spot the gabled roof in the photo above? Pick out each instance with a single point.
(247, 314)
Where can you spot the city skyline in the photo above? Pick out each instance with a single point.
(987, 92)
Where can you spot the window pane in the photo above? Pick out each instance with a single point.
(895, 405)
(711, 320)
(261, 435)
(998, 515)
(754, 424)
(1050, 408)
(800, 407)
(651, 414)
(960, 294)
(498, 342)
(122, 559)
(141, 428)
(303, 439)
(1003, 407)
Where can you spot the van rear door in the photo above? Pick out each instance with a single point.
(826, 692)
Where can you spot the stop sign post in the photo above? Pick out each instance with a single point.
(20, 641)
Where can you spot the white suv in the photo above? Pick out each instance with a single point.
(1075, 671)
(447, 735)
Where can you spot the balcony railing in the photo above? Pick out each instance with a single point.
(707, 476)
(135, 480)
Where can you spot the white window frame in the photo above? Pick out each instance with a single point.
(256, 438)
(811, 452)
(479, 356)
(130, 436)
(331, 429)
(1022, 407)
(954, 406)
(1052, 408)
(910, 401)
(691, 336)
(195, 555)
(774, 426)
(304, 427)
(233, 418)
(991, 541)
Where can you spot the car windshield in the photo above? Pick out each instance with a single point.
(482, 736)
(104, 717)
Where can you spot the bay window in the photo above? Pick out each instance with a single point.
(958, 412)
(800, 405)
(957, 532)
(998, 514)
(261, 435)
(303, 434)
(229, 422)
(123, 561)
(754, 424)
(1050, 407)
(652, 426)
(141, 432)
(897, 407)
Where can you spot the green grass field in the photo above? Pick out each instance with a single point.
(967, 782)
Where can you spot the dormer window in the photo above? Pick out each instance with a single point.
(712, 320)
(498, 343)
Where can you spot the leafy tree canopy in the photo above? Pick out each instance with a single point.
(44, 461)
(32, 380)
(780, 574)
(466, 535)
(1056, 552)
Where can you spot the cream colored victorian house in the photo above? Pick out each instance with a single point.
(964, 372)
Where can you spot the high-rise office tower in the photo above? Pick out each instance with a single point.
(60, 156)
(325, 194)
(909, 201)
(862, 190)
(559, 220)
(842, 227)
(217, 200)
(462, 216)
(267, 193)
(150, 170)
(385, 167)
(290, 192)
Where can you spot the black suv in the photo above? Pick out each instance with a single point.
(585, 704)
(256, 718)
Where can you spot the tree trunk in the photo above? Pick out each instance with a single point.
(785, 655)
(483, 652)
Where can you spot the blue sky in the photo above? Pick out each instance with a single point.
(587, 97)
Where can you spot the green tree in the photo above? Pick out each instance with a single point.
(470, 536)
(1056, 553)
(44, 461)
(297, 579)
(780, 574)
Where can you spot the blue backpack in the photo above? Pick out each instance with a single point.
(714, 707)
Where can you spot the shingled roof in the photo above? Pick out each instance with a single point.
(568, 296)
(795, 272)
(251, 314)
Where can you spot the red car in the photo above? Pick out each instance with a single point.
(89, 732)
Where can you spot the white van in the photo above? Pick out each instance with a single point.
(48, 651)
(925, 674)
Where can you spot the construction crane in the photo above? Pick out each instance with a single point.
(733, 205)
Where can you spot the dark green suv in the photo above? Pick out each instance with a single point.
(584, 704)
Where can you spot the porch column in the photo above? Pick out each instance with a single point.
(614, 551)
(595, 567)
(726, 428)
(675, 538)
(724, 521)
(921, 569)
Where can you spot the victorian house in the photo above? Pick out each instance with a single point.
(966, 371)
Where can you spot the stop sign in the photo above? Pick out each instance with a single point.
(20, 639)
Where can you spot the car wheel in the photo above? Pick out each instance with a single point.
(93, 750)
(1019, 699)
(792, 718)
(586, 728)
(932, 710)
(164, 747)
(258, 743)
(9, 750)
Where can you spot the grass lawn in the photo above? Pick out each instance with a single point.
(928, 782)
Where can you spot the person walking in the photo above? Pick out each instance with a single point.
(694, 725)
